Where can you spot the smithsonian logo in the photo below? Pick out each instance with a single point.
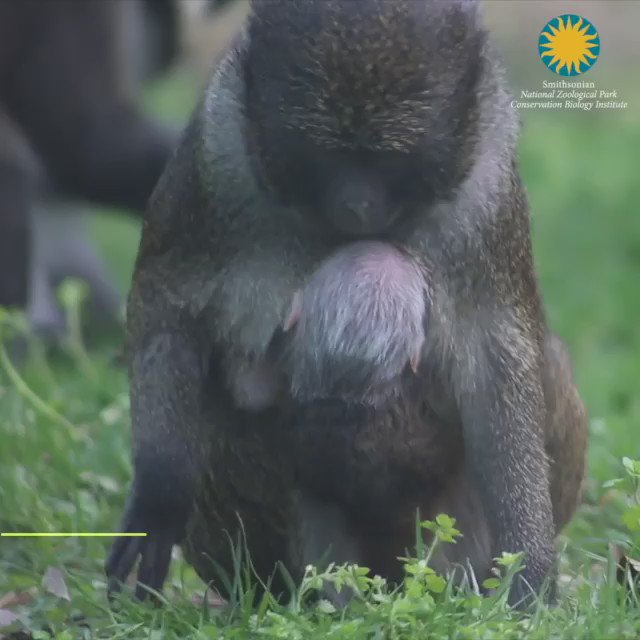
(569, 45)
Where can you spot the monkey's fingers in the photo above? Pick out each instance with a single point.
(416, 355)
(294, 313)
(154, 565)
(122, 557)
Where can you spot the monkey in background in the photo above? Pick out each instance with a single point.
(71, 131)
(331, 122)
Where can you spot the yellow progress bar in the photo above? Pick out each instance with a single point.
(20, 534)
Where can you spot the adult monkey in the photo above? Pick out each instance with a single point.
(72, 131)
(330, 121)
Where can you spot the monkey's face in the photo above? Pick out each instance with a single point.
(360, 189)
(362, 112)
(358, 192)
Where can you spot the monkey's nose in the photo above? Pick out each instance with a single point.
(357, 206)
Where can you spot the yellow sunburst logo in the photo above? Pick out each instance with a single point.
(569, 45)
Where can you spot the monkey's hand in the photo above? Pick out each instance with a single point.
(161, 517)
(245, 315)
(499, 390)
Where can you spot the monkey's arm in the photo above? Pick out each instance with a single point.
(166, 376)
(167, 367)
(499, 391)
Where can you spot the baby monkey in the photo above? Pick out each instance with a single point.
(349, 335)
(356, 325)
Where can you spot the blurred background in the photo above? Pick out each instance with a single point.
(580, 169)
(67, 466)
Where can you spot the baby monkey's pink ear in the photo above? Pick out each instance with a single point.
(415, 357)
(294, 312)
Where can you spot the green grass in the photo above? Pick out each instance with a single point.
(68, 468)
